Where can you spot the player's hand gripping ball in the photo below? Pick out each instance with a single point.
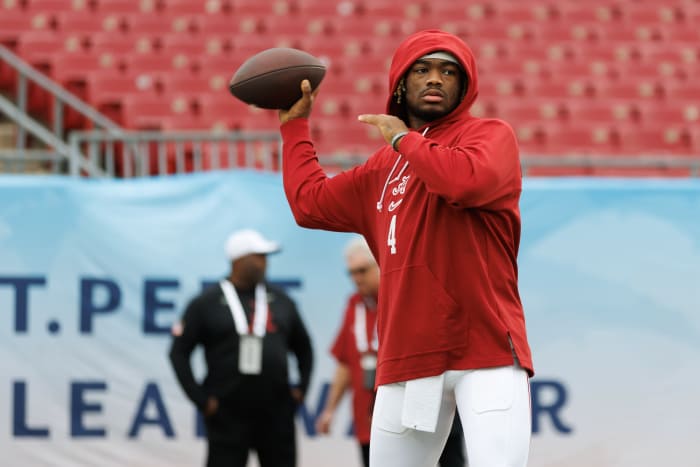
(271, 79)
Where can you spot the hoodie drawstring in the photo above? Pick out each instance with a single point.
(390, 180)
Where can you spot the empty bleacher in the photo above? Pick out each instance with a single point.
(596, 77)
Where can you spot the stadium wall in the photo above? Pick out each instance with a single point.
(94, 272)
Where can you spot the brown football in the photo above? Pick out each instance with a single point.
(271, 79)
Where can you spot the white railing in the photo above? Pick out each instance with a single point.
(143, 153)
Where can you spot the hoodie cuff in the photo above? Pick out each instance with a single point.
(295, 128)
(406, 143)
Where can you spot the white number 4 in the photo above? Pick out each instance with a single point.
(391, 239)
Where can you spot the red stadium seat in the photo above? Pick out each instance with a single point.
(680, 33)
(56, 6)
(86, 23)
(262, 9)
(188, 83)
(186, 44)
(333, 137)
(246, 45)
(124, 7)
(647, 13)
(147, 111)
(106, 88)
(656, 139)
(273, 26)
(524, 111)
(37, 47)
(324, 8)
(16, 23)
(71, 67)
(228, 113)
(682, 92)
(671, 113)
(520, 12)
(119, 43)
(10, 5)
(188, 7)
(561, 139)
(629, 88)
(389, 9)
(156, 63)
(158, 24)
(588, 13)
(227, 25)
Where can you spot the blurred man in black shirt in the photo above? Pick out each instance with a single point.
(247, 327)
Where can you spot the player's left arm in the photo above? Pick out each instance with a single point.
(481, 169)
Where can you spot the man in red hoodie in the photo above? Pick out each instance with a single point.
(439, 207)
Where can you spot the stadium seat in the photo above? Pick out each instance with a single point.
(672, 113)
(629, 88)
(158, 23)
(222, 111)
(520, 12)
(588, 13)
(186, 121)
(156, 63)
(227, 25)
(281, 26)
(16, 23)
(9, 5)
(646, 13)
(562, 139)
(125, 7)
(188, 83)
(119, 43)
(107, 88)
(528, 110)
(56, 6)
(37, 47)
(188, 7)
(141, 111)
(589, 111)
(187, 44)
(333, 137)
(389, 9)
(656, 139)
(262, 9)
(245, 45)
(72, 67)
(324, 8)
(85, 23)
(682, 92)
(219, 64)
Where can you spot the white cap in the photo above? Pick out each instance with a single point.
(442, 55)
(248, 242)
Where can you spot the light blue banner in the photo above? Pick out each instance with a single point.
(93, 274)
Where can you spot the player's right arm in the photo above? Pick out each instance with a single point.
(317, 201)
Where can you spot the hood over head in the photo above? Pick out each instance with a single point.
(425, 42)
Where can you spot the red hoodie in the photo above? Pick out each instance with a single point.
(442, 219)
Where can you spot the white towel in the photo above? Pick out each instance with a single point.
(421, 403)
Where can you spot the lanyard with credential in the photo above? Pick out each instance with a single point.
(234, 304)
(361, 330)
(368, 355)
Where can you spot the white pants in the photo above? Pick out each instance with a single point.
(494, 407)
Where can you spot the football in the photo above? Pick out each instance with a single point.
(271, 79)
